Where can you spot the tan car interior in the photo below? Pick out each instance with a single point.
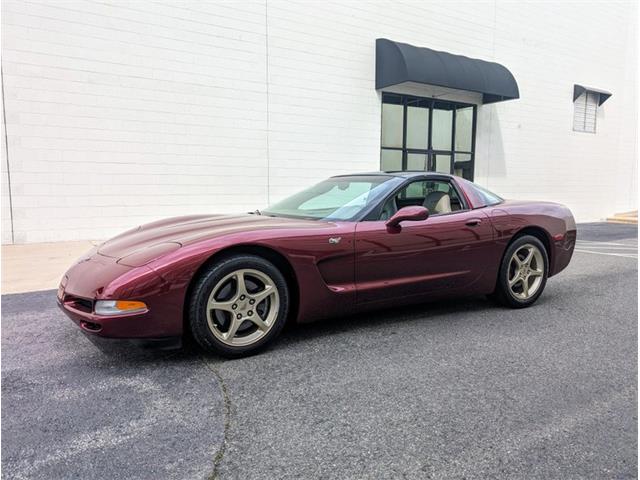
(439, 197)
(437, 202)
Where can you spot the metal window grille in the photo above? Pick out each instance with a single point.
(585, 111)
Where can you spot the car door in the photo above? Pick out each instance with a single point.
(449, 251)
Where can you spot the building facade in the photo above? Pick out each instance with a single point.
(120, 113)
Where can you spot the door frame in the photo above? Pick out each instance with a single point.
(373, 214)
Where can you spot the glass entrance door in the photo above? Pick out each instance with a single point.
(427, 135)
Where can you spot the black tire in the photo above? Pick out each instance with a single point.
(503, 294)
(197, 306)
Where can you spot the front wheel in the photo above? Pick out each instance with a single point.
(238, 306)
(523, 272)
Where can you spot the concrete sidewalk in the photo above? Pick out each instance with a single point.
(630, 218)
(38, 266)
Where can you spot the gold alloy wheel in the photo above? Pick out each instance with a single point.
(243, 307)
(526, 270)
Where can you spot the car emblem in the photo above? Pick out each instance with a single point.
(334, 240)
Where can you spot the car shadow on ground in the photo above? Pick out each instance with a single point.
(435, 312)
(127, 353)
(131, 353)
(431, 311)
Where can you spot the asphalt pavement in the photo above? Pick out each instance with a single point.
(461, 389)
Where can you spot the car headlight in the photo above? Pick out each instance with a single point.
(119, 307)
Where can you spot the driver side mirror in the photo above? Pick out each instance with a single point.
(410, 214)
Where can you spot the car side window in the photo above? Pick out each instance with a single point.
(439, 196)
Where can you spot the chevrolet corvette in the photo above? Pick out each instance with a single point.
(348, 244)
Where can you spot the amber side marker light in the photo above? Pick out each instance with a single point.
(119, 307)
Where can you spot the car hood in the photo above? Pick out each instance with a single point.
(145, 243)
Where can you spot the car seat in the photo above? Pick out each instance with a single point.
(437, 202)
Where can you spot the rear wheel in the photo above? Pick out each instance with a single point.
(523, 272)
(238, 306)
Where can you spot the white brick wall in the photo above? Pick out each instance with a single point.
(534, 152)
(123, 112)
(120, 114)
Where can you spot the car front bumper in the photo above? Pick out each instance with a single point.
(101, 278)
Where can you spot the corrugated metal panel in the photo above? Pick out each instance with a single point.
(585, 112)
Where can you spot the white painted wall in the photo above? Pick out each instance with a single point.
(123, 113)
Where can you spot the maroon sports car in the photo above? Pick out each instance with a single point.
(347, 244)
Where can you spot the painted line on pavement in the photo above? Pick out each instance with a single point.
(594, 242)
(607, 253)
(608, 247)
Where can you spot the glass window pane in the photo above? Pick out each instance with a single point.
(437, 191)
(443, 163)
(415, 190)
(417, 127)
(464, 128)
(392, 125)
(392, 98)
(390, 160)
(442, 129)
(337, 198)
(464, 172)
(462, 165)
(489, 198)
(417, 161)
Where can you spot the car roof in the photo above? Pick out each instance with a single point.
(398, 173)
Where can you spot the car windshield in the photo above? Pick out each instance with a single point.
(337, 198)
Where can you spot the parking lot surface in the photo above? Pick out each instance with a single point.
(461, 389)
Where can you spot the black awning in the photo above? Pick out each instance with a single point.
(579, 90)
(399, 62)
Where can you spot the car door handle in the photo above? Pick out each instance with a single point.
(474, 222)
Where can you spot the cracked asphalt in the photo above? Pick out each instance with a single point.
(447, 390)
